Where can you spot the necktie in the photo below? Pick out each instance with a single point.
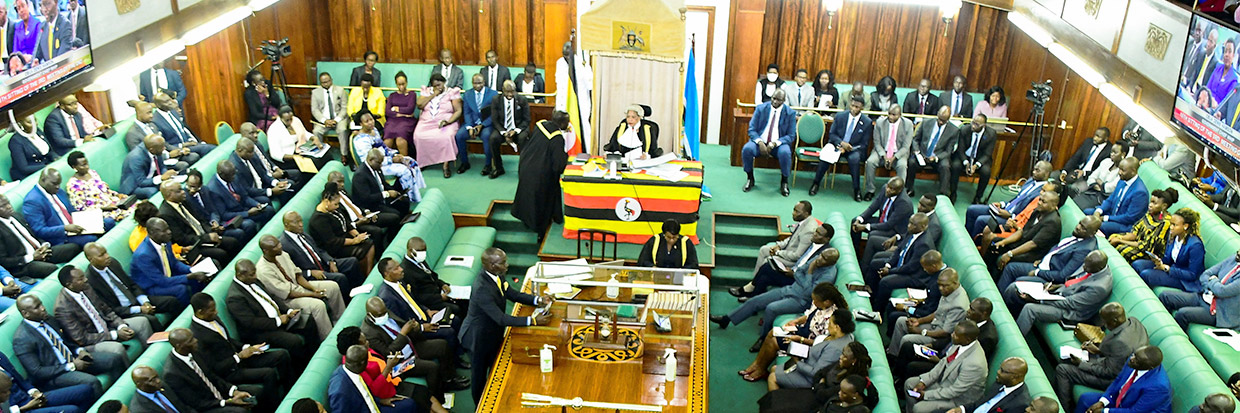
(163, 259)
(258, 293)
(234, 193)
(331, 110)
(1067, 243)
(904, 251)
(1120, 199)
(972, 153)
(852, 123)
(414, 304)
(56, 343)
(921, 110)
(122, 296)
(309, 251)
(1124, 390)
(370, 400)
(1089, 162)
(952, 357)
(938, 131)
(163, 402)
(891, 139)
(175, 125)
(770, 128)
(159, 167)
(17, 227)
(509, 122)
(955, 104)
(285, 274)
(1213, 299)
(478, 102)
(985, 407)
(73, 130)
(64, 212)
(219, 328)
(258, 182)
(1202, 73)
(51, 37)
(91, 311)
(882, 217)
(211, 386)
(1077, 280)
(492, 76)
(193, 222)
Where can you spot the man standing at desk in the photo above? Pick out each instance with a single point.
(483, 330)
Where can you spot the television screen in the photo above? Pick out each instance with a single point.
(43, 42)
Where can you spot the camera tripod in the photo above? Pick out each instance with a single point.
(1035, 120)
(279, 81)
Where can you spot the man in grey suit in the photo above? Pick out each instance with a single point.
(958, 379)
(453, 73)
(957, 100)
(494, 74)
(1106, 359)
(785, 252)
(933, 146)
(1083, 295)
(1218, 305)
(328, 111)
(893, 136)
(951, 310)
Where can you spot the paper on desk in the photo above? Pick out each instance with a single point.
(205, 266)
(646, 163)
(91, 220)
(1066, 352)
(558, 288)
(1036, 290)
(460, 292)
(916, 293)
(829, 154)
(798, 349)
(459, 260)
(361, 289)
(674, 176)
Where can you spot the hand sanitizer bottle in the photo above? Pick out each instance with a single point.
(669, 364)
(545, 358)
(613, 289)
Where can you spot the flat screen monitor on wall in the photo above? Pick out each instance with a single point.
(45, 42)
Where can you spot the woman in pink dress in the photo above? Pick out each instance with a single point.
(398, 132)
(88, 191)
(435, 136)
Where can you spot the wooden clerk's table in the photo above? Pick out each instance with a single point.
(517, 371)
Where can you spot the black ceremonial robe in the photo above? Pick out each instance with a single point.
(537, 202)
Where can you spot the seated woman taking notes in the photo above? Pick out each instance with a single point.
(635, 133)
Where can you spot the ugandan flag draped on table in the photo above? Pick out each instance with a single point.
(634, 206)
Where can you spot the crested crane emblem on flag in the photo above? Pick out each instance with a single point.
(628, 209)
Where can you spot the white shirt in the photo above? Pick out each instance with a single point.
(159, 80)
(808, 253)
(182, 132)
(189, 361)
(72, 125)
(268, 304)
(446, 71)
(21, 233)
(491, 75)
(1045, 265)
(53, 200)
(98, 322)
(218, 328)
(281, 143)
(527, 86)
(1094, 153)
(773, 119)
(365, 391)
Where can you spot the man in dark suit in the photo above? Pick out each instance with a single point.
(370, 191)
(255, 175)
(22, 394)
(157, 270)
(903, 261)
(231, 360)
(401, 303)
(51, 360)
(262, 319)
(151, 396)
(771, 133)
(1008, 394)
(143, 126)
(347, 392)
(1106, 358)
(1141, 143)
(921, 101)
(50, 214)
(90, 323)
(979, 216)
(437, 361)
(160, 79)
(893, 209)
(382, 227)
(477, 124)
(64, 127)
(1030, 242)
(55, 35)
(228, 201)
(1086, 159)
(453, 73)
(1061, 261)
(487, 318)
(1083, 294)
(931, 263)
(957, 100)
(973, 157)
(1199, 62)
(933, 146)
(189, 230)
(196, 203)
(1127, 203)
(1142, 386)
(1226, 204)
(145, 168)
(187, 376)
(77, 20)
(535, 83)
(22, 253)
(881, 243)
(171, 125)
(510, 116)
(117, 291)
(494, 74)
(317, 263)
(424, 284)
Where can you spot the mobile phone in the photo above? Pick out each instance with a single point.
(1223, 333)
(914, 393)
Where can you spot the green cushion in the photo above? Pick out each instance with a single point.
(810, 128)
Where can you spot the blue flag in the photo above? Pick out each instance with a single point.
(692, 127)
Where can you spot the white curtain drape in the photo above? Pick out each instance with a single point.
(622, 81)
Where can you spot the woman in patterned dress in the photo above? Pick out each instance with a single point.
(1149, 235)
(88, 191)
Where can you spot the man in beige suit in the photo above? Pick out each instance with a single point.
(320, 300)
(893, 137)
(328, 108)
(959, 378)
(783, 255)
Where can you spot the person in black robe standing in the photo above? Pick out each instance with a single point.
(537, 202)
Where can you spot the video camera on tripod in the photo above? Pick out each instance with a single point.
(275, 49)
(1039, 94)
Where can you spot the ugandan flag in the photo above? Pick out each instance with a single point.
(579, 121)
(633, 207)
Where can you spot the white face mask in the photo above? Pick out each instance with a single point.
(419, 255)
(771, 77)
(381, 320)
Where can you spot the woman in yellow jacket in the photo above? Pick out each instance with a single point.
(367, 99)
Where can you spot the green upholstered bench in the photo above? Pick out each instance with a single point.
(960, 253)
(419, 73)
(437, 228)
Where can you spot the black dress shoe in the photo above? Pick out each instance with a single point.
(461, 169)
(783, 189)
(737, 292)
(486, 170)
(869, 196)
(748, 185)
(813, 190)
(757, 345)
(856, 197)
(721, 320)
(496, 173)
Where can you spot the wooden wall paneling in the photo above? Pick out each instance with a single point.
(216, 66)
(559, 17)
(538, 43)
(519, 44)
(744, 58)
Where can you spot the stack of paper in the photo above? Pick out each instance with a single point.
(90, 219)
(829, 154)
(1067, 352)
(916, 293)
(1036, 290)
